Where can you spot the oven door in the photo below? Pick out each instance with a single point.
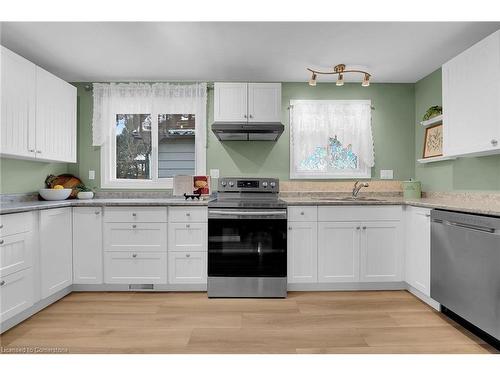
(246, 243)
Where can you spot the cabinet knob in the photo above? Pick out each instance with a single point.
(31, 150)
(38, 151)
(134, 214)
(2, 283)
(134, 255)
(302, 213)
(1, 226)
(97, 212)
(289, 228)
(494, 142)
(244, 116)
(188, 214)
(1, 242)
(134, 226)
(358, 228)
(364, 228)
(188, 255)
(251, 116)
(188, 226)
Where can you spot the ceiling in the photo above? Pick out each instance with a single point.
(233, 51)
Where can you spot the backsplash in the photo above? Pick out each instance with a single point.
(375, 186)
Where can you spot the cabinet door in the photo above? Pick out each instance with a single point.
(18, 95)
(16, 293)
(471, 99)
(381, 251)
(127, 267)
(418, 249)
(135, 237)
(264, 102)
(187, 236)
(87, 245)
(187, 267)
(302, 250)
(55, 250)
(55, 118)
(16, 253)
(230, 102)
(338, 252)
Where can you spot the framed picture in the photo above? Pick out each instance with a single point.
(433, 141)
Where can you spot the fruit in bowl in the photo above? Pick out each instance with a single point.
(55, 194)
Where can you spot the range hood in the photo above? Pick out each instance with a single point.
(244, 131)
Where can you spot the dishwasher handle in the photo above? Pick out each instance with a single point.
(465, 226)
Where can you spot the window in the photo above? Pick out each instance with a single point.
(149, 133)
(331, 139)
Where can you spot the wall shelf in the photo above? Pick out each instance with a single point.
(433, 121)
(435, 159)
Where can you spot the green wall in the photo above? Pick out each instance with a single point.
(23, 176)
(463, 174)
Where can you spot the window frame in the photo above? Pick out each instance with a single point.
(362, 173)
(108, 157)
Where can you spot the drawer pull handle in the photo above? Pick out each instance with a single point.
(134, 226)
(188, 255)
(1, 242)
(134, 255)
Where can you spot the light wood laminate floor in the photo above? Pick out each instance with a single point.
(305, 322)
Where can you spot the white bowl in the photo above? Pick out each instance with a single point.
(55, 194)
(85, 195)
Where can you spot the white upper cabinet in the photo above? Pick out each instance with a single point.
(247, 102)
(38, 112)
(471, 100)
(18, 105)
(264, 102)
(55, 118)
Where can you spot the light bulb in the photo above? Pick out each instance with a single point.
(312, 81)
(340, 80)
(366, 81)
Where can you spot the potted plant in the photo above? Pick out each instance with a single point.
(84, 192)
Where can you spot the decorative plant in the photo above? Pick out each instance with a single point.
(433, 111)
(82, 187)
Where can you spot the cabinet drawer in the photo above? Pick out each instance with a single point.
(16, 223)
(359, 213)
(185, 267)
(135, 237)
(187, 214)
(16, 293)
(303, 213)
(127, 267)
(15, 253)
(187, 236)
(135, 214)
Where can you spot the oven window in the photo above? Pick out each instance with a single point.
(247, 248)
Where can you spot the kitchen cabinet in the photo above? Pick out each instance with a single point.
(87, 245)
(247, 102)
(55, 250)
(418, 249)
(338, 251)
(187, 267)
(471, 100)
(135, 237)
(302, 250)
(18, 105)
(381, 254)
(16, 293)
(129, 267)
(38, 118)
(187, 236)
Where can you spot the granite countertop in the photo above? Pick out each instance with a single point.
(12, 207)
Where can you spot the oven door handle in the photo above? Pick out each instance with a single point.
(247, 213)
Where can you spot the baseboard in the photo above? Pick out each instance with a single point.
(127, 288)
(428, 300)
(331, 287)
(40, 305)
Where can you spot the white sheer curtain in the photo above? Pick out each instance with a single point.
(314, 122)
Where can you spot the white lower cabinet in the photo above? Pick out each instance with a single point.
(338, 252)
(382, 252)
(128, 267)
(56, 263)
(187, 267)
(418, 249)
(87, 245)
(187, 236)
(302, 249)
(16, 293)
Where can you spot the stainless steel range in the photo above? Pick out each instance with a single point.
(247, 239)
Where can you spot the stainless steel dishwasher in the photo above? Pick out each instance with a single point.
(465, 267)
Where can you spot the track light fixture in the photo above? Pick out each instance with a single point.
(340, 69)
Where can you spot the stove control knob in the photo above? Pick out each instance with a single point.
(273, 184)
(223, 183)
(231, 183)
(264, 184)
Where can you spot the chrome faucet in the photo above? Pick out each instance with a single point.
(357, 187)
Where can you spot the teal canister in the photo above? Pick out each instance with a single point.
(412, 189)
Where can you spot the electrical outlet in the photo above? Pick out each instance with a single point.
(91, 175)
(214, 173)
(386, 174)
